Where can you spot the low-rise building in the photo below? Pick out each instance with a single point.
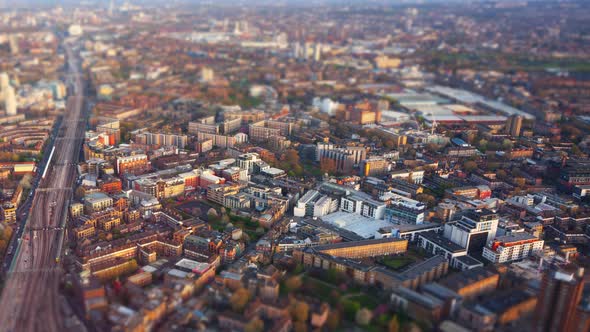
(472, 283)
(375, 166)
(9, 212)
(512, 247)
(417, 305)
(414, 176)
(84, 231)
(134, 164)
(97, 201)
(474, 230)
(436, 244)
(403, 210)
(415, 276)
(263, 130)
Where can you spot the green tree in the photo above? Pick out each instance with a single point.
(212, 215)
(482, 145)
(332, 276)
(363, 317)
(389, 144)
(300, 327)
(501, 174)
(350, 308)
(246, 237)
(291, 162)
(427, 199)
(239, 299)
(393, 325)
(293, 283)
(300, 311)
(327, 165)
(333, 320)
(432, 148)
(571, 132)
(412, 327)
(470, 166)
(255, 325)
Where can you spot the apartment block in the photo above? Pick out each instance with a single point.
(513, 247)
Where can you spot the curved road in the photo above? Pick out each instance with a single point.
(30, 300)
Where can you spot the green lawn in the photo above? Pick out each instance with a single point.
(310, 169)
(319, 289)
(397, 262)
(247, 225)
(366, 301)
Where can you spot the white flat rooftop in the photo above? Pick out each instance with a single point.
(178, 273)
(191, 265)
(149, 268)
(362, 226)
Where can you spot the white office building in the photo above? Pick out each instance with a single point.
(305, 205)
(364, 206)
(403, 210)
(324, 206)
(474, 230)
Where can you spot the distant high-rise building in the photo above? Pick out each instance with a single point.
(237, 30)
(13, 42)
(409, 24)
(317, 52)
(514, 125)
(282, 38)
(4, 81)
(559, 297)
(75, 30)
(306, 50)
(244, 25)
(207, 74)
(411, 14)
(296, 50)
(10, 101)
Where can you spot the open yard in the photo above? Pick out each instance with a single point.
(365, 300)
(402, 261)
(320, 289)
(195, 208)
(397, 262)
